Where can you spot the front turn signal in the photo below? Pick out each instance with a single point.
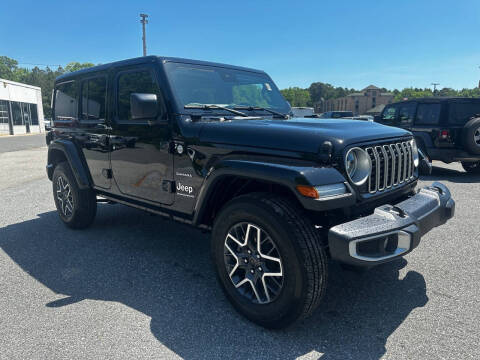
(308, 191)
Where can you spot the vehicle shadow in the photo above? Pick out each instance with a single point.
(163, 270)
(457, 176)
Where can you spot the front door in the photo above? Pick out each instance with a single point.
(142, 164)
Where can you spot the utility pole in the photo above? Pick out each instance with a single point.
(435, 88)
(144, 38)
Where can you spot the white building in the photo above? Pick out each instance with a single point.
(21, 108)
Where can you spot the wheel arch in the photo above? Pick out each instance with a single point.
(63, 150)
(232, 178)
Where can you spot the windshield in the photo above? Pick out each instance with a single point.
(200, 85)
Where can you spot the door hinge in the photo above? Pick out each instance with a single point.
(168, 186)
(107, 173)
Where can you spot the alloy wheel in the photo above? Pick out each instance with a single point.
(64, 196)
(253, 263)
(476, 137)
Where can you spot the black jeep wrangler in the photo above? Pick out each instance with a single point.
(446, 129)
(215, 146)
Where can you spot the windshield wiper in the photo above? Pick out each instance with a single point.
(253, 108)
(214, 106)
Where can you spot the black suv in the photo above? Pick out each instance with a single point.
(214, 146)
(446, 129)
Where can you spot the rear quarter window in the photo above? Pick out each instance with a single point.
(459, 113)
(66, 103)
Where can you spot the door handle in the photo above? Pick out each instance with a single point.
(103, 127)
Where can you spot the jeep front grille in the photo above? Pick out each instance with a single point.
(392, 165)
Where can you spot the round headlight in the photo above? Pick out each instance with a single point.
(415, 156)
(358, 165)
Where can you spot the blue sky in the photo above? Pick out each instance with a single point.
(392, 44)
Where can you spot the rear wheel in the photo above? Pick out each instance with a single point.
(471, 136)
(76, 207)
(269, 259)
(471, 167)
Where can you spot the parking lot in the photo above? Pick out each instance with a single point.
(135, 286)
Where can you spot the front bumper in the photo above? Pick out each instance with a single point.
(391, 231)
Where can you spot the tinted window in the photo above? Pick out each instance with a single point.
(460, 113)
(133, 82)
(94, 93)
(389, 115)
(26, 113)
(66, 106)
(406, 113)
(17, 113)
(4, 112)
(34, 114)
(428, 114)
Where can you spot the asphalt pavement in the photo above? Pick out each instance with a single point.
(21, 142)
(135, 286)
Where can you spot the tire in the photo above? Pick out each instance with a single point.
(472, 167)
(471, 136)
(76, 207)
(296, 243)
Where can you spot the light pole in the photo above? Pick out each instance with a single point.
(435, 87)
(144, 21)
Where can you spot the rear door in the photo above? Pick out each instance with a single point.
(94, 133)
(427, 123)
(80, 107)
(142, 163)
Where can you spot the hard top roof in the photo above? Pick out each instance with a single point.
(438, 99)
(149, 59)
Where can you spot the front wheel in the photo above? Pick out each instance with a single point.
(269, 259)
(472, 167)
(76, 207)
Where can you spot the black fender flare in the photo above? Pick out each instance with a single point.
(288, 176)
(75, 159)
(424, 140)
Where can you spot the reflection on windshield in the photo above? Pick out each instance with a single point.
(196, 84)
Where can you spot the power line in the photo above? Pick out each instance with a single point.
(144, 21)
(40, 64)
(435, 87)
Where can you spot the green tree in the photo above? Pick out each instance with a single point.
(75, 66)
(43, 78)
(297, 97)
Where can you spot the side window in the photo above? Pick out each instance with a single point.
(4, 112)
(17, 113)
(389, 115)
(141, 81)
(66, 105)
(428, 114)
(406, 114)
(461, 112)
(34, 114)
(94, 92)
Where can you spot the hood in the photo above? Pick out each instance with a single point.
(298, 134)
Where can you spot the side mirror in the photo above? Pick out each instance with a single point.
(143, 106)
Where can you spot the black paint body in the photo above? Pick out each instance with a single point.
(452, 115)
(175, 166)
